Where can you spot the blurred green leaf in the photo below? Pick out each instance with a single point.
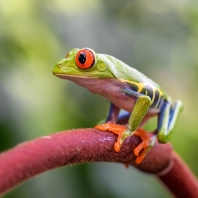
(159, 38)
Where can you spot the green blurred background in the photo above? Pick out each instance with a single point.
(159, 38)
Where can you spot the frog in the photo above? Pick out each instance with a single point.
(129, 91)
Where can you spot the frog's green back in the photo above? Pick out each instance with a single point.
(124, 71)
(128, 74)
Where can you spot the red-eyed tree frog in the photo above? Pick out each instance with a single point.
(127, 89)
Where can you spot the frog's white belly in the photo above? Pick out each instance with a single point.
(110, 89)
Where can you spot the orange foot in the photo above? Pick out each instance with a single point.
(141, 150)
(148, 140)
(115, 128)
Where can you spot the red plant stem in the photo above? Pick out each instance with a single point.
(78, 146)
(180, 180)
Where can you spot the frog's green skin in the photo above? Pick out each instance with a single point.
(126, 88)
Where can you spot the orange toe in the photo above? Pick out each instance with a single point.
(117, 146)
(141, 150)
(115, 128)
(141, 157)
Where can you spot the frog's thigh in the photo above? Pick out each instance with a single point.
(167, 119)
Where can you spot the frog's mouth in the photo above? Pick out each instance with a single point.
(90, 83)
(69, 76)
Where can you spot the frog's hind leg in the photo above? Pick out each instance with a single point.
(167, 119)
(123, 117)
(113, 112)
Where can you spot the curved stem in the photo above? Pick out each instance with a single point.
(75, 146)
(180, 180)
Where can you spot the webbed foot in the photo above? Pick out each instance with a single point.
(115, 128)
(148, 140)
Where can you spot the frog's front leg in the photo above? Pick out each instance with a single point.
(139, 111)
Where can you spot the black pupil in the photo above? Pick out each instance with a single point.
(82, 57)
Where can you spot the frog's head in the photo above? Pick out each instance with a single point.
(83, 63)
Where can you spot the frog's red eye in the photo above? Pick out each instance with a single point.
(85, 59)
